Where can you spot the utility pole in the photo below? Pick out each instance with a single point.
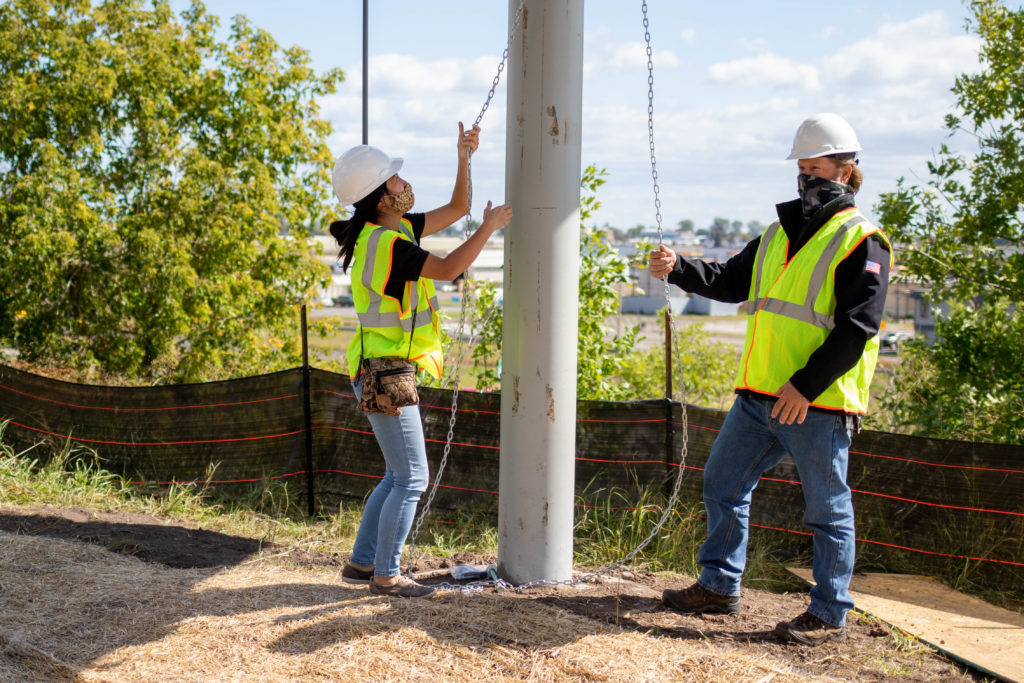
(366, 72)
(538, 379)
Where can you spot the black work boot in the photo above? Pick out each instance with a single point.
(809, 630)
(698, 600)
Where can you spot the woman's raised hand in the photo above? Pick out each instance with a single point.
(468, 140)
(497, 217)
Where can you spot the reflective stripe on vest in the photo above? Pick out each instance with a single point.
(804, 311)
(373, 317)
(408, 327)
(791, 311)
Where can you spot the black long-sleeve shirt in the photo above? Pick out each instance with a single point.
(859, 291)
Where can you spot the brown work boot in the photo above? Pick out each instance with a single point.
(402, 588)
(353, 574)
(698, 600)
(809, 630)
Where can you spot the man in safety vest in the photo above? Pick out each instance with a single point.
(813, 287)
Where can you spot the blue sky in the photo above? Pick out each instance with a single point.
(733, 80)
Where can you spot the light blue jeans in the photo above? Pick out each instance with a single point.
(749, 444)
(391, 508)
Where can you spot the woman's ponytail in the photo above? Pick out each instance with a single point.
(346, 232)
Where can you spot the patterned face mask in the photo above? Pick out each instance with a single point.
(399, 203)
(816, 192)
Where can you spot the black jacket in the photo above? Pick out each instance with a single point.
(860, 293)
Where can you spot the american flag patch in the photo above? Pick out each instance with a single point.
(873, 267)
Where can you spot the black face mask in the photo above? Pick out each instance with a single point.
(816, 192)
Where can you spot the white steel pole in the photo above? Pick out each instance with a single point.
(538, 379)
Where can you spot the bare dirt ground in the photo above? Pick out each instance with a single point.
(623, 600)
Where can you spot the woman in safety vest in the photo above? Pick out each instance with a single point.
(813, 287)
(393, 290)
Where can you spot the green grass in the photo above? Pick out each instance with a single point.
(608, 530)
(74, 478)
(269, 511)
(613, 523)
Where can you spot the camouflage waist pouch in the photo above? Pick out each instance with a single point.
(388, 384)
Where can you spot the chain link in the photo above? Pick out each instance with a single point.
(483, 110)
(466, 289)
(670, 321)
(453, 382)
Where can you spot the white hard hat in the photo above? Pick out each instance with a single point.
(360, 171)
(822, 135)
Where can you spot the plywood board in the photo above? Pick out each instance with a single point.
(988, 637)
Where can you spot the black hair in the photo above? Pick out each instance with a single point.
(346, 232)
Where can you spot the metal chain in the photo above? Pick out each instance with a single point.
(483, 110)
(447, 446)
(461, 348)
(650, 130)
(499, 583)
(452, 381)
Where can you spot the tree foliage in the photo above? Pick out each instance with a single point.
(600, 350)
(608, 365)
(703, 369)
(961, 236)
(157, 188)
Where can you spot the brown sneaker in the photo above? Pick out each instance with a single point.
(403, 588)
(698, 600)
(809, 630)
(353, 574)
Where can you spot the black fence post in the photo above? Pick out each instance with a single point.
(668, 354)
(307, 413)
(669, 430)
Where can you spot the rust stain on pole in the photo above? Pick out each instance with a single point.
(551, 402)
(553, 131)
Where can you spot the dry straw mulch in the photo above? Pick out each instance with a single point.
(73, 611)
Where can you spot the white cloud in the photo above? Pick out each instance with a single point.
(910, 60)
(398, 74)
(634, 54)
(720, 143)
(688, 35)
(602, 53)
(765, 69)
(414, 109)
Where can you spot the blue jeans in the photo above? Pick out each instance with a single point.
(750, 443)
(391, 508)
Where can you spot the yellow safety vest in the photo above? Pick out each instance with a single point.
(791, 309)
(385, 323)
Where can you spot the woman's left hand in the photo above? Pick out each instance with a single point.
(469, 140)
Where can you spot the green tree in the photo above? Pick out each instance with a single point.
(636, 230)
(601, 351)
(719, 230)
(703, 369)
(961, 235)
(754, 228)
(147, 175)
